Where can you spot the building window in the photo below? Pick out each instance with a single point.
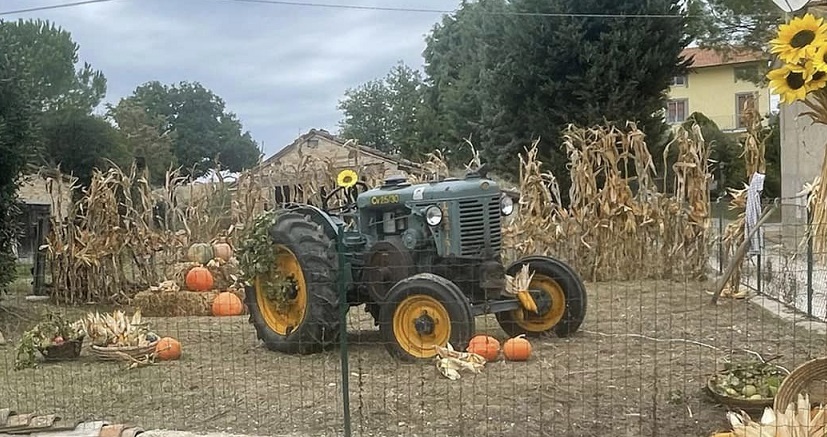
(676, 111)
(741, 102)
(678, 81)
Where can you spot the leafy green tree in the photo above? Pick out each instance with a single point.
(726, 25)
(463, 54)
(17, 118)
(504, 73)
(365, 111)
(81, 143)
(140, 131)
(50, 55)
(204, 133)
(386, 113)
(583, 70)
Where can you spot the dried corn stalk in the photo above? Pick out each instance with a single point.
(618, 226)
(753, 153)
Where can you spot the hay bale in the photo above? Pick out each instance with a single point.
(179, 303)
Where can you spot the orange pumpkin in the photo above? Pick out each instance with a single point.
(222, 250)
(227, 304)
(168, 348)
(199, 279)
(200, 253)
(517, 349)
(486, 346)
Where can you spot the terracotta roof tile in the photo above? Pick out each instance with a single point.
(711, 58)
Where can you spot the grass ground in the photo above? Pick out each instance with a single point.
(634, 369)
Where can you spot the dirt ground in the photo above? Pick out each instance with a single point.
(635, 368)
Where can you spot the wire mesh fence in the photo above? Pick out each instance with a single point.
(639, 364)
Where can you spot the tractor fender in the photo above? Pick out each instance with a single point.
(329, 223)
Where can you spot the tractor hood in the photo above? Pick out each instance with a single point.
(398, 191)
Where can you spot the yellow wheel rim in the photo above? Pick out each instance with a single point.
(281, 317)
(429, 311)
(532, 322)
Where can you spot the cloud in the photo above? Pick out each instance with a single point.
(281, 69)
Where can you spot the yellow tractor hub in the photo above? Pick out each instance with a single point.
(543, 322)
(283, 318)
(420, 323)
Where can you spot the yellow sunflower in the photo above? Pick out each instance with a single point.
(817, 78)
(347, 178)
(820, 58)
(799, 39)
(789, 82)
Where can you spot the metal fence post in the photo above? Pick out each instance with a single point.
(809, 229)
(343, 309)
(720, 237)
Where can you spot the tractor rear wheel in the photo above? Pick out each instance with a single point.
(422, 312)
(308, 321)
(562, 306)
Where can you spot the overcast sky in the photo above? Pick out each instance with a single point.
(281, 68)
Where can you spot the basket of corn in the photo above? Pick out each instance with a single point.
(118, 337)
(750, 386)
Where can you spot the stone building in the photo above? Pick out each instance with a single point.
(315, 158)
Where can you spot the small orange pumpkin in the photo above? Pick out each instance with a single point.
(517, 349)
(168, 348)
(199, 279)
(222, 250)
(486, 346)
(227, 304)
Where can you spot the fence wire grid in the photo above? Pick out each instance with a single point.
(639, 364)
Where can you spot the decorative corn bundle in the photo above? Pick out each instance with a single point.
(798, 420)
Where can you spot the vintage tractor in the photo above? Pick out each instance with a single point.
(424, 259)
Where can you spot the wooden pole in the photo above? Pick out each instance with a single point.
(740, 253)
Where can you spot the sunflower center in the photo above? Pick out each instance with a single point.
(795, 80)
(802, 38)
(818, 75)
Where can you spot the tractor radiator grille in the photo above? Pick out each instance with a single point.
(480, 226)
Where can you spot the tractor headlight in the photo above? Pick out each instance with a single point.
(433, 215)
(506, 205)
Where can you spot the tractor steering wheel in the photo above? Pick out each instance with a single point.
(350, 195)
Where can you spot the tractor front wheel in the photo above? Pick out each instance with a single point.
(423, 312)
(561, 304)
(301, 316)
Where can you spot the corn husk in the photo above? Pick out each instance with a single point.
(518, 285)
(450, 362)
(116, 329)
(797, 420)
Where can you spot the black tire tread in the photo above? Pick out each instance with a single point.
(317, 256)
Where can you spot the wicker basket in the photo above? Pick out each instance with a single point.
(750, 406)
(68, 350)
(800, 381)
(115, 353)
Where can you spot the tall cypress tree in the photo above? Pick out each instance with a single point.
(17, 116)
(585, 70)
